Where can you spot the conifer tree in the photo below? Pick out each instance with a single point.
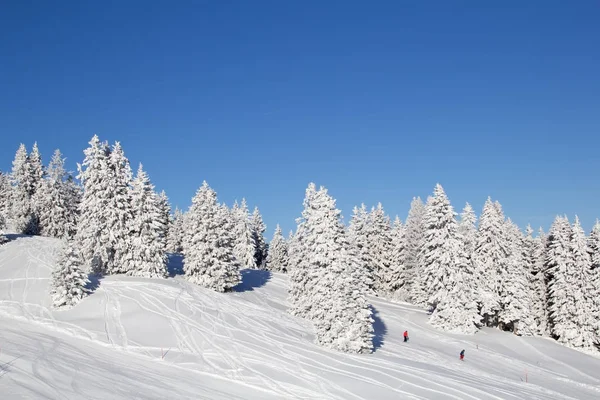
(594, 271)
(358, 229)
(258, 234)
(539, 290)
(278, 259)
(69, 281)
(208, 245)
(37, 174)
(175, 234)
(5, 196)
(468, 229)
(414, 241)
(56, 211)
(396, 278)
(93, 235)
(440, 246)
(490, 258)
(379, 248)
(147, 255)
(23, 188)
(341, 314)
(165, 217)
(245, 249)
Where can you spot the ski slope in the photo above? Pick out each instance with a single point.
(154, 339)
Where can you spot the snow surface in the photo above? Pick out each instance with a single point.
(244, 345)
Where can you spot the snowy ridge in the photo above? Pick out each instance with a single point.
(245, 345)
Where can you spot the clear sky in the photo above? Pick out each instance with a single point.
(377, 101)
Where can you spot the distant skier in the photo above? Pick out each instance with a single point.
(462, 355)
(405, 336)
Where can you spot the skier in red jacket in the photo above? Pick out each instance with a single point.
(406, 336)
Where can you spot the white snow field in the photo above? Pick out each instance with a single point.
(244, 345)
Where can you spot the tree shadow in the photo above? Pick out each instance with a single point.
(14, 236)
(175, 264)
(94, 282)
(251, 279)
(380, 330)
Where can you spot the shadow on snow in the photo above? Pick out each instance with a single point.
(379, 328)
(252, 279)
(175, 264)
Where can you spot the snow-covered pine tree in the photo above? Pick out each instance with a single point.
(379, 248)
(244, 236)
(582, 295)
(208, 244)
(258, 234)
(299, 251)
(36, 169)
(119, 213)
(516, 299)
(414, 241)
(54, 201)
(341, 314)
(3, 238)
(594, 270)
(457, 309)
(174, 239)
(440, 246)
(357, 234)
(539, 290)
(147, 256)
(165, 217)
(278, 259)
(396, 278)
(23, 187)
(92, 237)
(69, 280)
(489, 257)
(561, 308)
(468, 229)
(5, 196)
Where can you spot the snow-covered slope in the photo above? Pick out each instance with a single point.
(245, 345)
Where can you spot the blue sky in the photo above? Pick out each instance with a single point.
(377, 101)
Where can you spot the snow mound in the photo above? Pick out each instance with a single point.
(167, 338)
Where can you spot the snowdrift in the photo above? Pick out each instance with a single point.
(154, 339)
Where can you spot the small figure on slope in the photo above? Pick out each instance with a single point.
(462, 355)
(405, 336)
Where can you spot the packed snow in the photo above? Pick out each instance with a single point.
(168, 338)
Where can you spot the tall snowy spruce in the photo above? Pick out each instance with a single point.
(93, 235)
(489, 259)
(258, 234)
(24, 185)
(175, 233)
(69, 280)
(594, 251)
(341, 314)
(278, 259)
(208, 245)
(358, 229)
(467, 228)
(5, 195)
(165, 217)
(379, 247)
(414, 240)
(438, 253)
(396, 279)
(147, 257)
(55, 201)
(515, 314)
(539, 290)
(245, 249)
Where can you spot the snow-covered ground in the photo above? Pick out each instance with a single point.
(168, 339)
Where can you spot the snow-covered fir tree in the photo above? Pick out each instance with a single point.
(165, 217)
(244, 236)
(379, 248)
(3, 238)
(457, 308)
(299, 248)
(414, 240)
(489, 258)
(23, 183)
(208, 245)
(516, 297)
(147, 255)
(258, 234)
(467, 228)
(93, 235)
(5, 196)
(539, 290)
(119, 213)
(175, 234)
(396, 278)
(69, 279)
(54, 201)
(278, 259)
(358, 236)
(341, 314)
(594, 270)
(36, 169)
(438, 253)
(562, 311)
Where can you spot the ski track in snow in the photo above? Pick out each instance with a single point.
(245, 345)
